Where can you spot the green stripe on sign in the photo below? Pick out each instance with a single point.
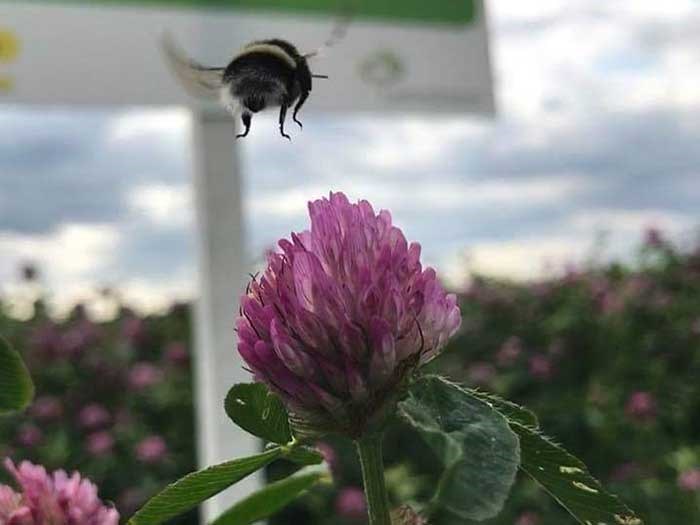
(456, 12)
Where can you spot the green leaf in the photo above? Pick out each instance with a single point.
(303, 455)
(196, 487)
(16, 387)
(567, 479)
(510, 410)
(257, 410)
(271, 499)
(474, 442)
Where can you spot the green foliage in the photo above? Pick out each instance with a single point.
(257, 410)
(199, 486)
(473, 442)
(512, 411)
(16, 387)
(271, 498)
(107, 393)
(304, 455)
(567, 479)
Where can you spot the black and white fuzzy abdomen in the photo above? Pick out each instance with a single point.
(259, 77)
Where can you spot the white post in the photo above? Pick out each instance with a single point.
(222, 277)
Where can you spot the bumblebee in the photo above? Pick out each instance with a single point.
(265, 74)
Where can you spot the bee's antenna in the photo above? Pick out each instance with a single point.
(319, 76)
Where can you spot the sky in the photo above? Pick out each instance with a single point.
(597, 131)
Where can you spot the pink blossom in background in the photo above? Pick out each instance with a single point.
(45, 340)
(637, 285)
(143, 375)
(528, 518)
(329, 456)
(152, 449)
(695, 328)
(176, 353)
(46, 408)
(481, 373)
(99, 443)
(133, 330)
(540, 367)
(29, 435)
(351, 504)
(93, 416)
(342, 314)
(641, 406)
(51, 499)
(78, 338)
(611, 302)
(625, 472)
(598, 286)
(509, 352)
(653, 238)
(689, 480)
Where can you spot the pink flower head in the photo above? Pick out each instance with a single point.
(52, 499)
(689, 480)
(29, 435)
(481, 373)
(509, 352)
(625, 472)
(151, 450)
(342, 315)
(641, 406)
(99, 443)
(330, 456)
(653, 237)
(133, 330)
(351, 504)
(695, 327)
(78, 338)
(93, 416)
(46, 408)
(528, 518)
(176, 353)
(143, 375)
(540, 367)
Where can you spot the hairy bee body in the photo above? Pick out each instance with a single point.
(266, 73)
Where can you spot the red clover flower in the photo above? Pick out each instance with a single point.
(342, 316)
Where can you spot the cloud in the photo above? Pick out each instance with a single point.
(164, 205)
(67, 257)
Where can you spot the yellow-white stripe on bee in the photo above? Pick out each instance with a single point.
(272, 49)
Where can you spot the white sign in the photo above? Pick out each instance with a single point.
(110, 55)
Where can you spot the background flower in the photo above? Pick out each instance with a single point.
(52, 499)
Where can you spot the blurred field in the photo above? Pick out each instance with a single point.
(608, 357)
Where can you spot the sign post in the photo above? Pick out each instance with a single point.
(222, 276)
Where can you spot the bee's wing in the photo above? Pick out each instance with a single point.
(198, 80)
(339, 30)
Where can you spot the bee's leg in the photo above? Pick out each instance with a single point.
(300, 103)
(246, 118)
(283, 115)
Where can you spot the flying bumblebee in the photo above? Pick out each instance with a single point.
(264, 74)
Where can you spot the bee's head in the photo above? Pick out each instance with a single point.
(254, 103)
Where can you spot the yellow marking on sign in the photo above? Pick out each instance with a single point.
(9, 46)
(6, 84)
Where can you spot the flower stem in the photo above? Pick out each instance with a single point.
(369, 448)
